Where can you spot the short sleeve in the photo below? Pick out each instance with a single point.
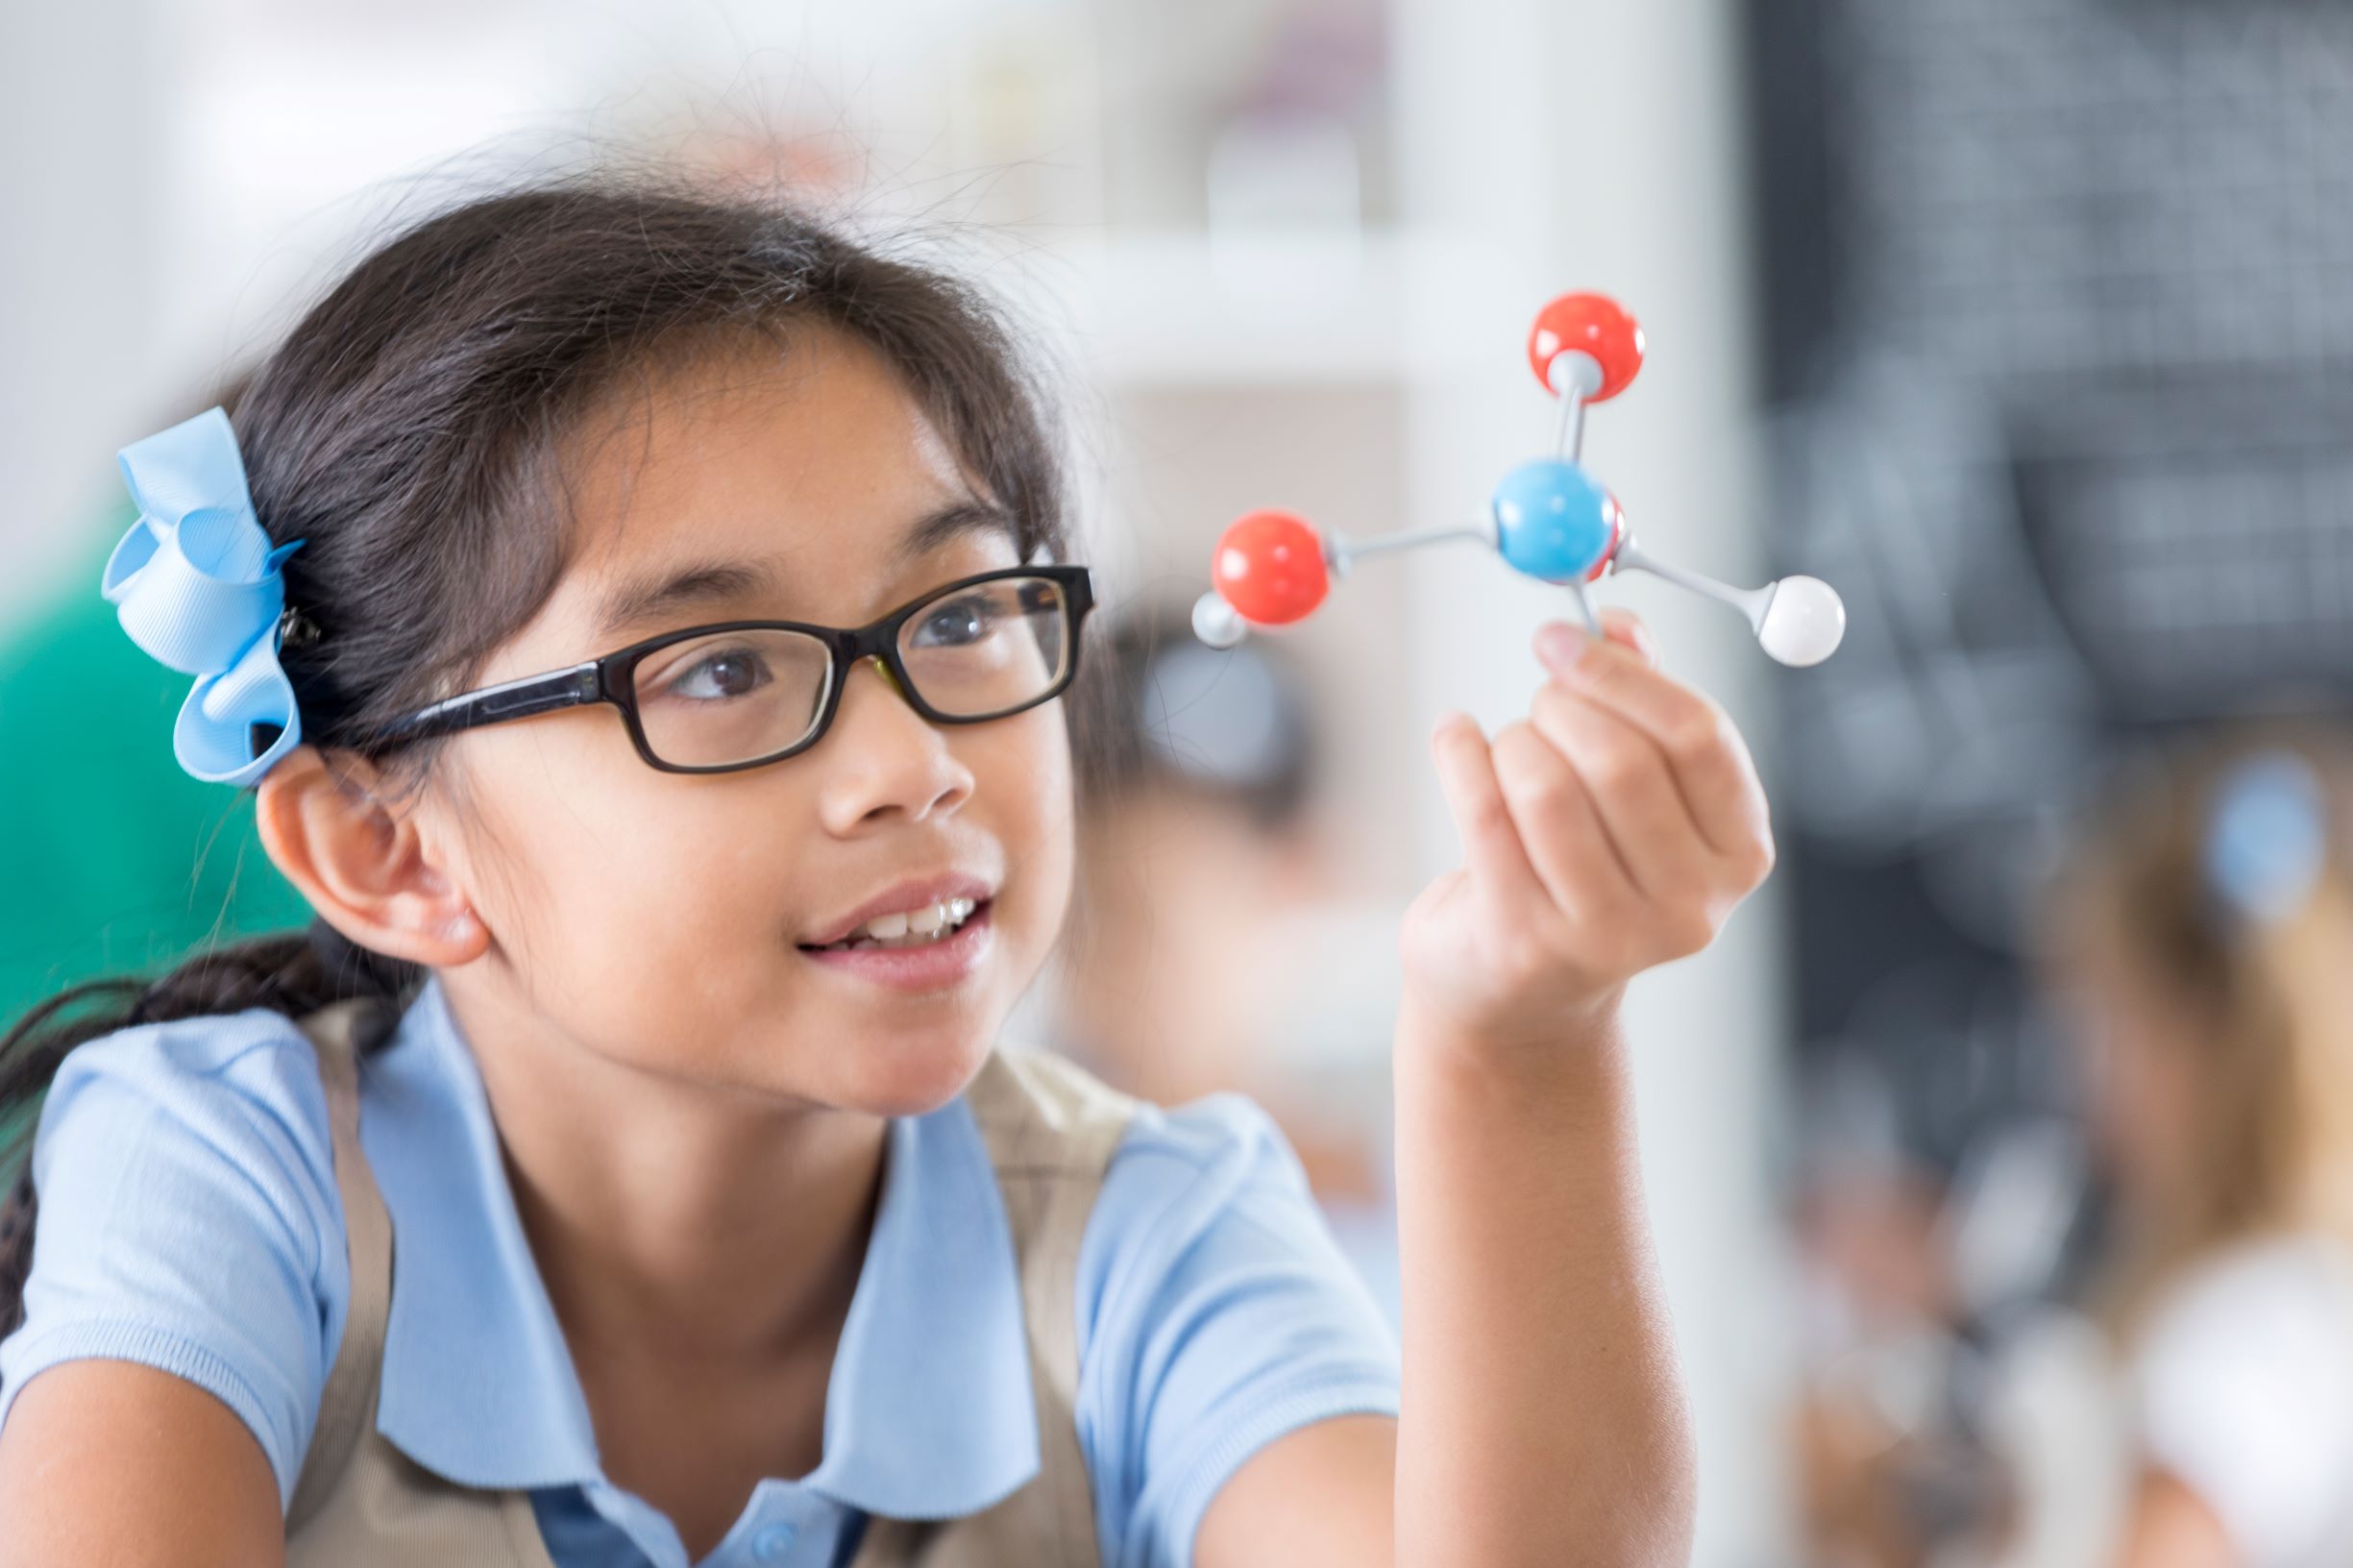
(2245, 1380)
(189, 1221)
(1215, 1314)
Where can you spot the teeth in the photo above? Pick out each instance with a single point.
(909, 928)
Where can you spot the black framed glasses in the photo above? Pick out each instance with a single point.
(738, 694)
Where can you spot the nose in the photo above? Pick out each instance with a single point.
(883, 758)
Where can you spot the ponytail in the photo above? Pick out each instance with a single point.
(294, 972)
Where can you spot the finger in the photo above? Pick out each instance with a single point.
(1711, 762)
(1633, 792)
(1622, 625)
(1490, 841)
(1565, 841)
(1558, 643)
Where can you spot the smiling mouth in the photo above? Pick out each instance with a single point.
(925, 927)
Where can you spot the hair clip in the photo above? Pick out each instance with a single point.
(296, 628)
(2266, 837)
(197, 586)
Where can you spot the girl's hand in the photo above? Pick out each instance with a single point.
(1613, 830)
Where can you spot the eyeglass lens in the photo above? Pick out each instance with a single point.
(740, 696)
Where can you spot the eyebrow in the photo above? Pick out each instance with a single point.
(670, 590)
(950, 522)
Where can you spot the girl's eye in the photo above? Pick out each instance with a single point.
(721, 675)
(959, 623)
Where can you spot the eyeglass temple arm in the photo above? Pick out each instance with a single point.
(494, 705)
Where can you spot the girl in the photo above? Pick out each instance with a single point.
(680, 1208)
(2202, 932)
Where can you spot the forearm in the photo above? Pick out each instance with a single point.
(1543, 1418)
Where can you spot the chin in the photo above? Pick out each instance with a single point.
(911, 1074)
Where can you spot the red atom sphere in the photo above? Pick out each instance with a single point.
(1593, 324)
(1617, 537)
(1269, 566)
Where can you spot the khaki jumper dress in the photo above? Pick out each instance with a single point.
(360, 1503)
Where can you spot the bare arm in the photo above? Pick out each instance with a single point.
(1317, 1496)
(111, 1464)
(1543, 1421)
(1543, 1416)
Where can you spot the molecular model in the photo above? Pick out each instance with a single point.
(1548, 517)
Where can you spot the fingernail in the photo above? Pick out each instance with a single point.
(1561, 644)
(1451, 719)
(1638, 637)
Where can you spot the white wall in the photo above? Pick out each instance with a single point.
(81, 245)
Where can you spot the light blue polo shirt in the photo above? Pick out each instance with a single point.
(189, 1221)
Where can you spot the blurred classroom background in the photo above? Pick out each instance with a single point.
(2026, 323)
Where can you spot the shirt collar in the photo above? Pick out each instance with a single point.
(929, 1412)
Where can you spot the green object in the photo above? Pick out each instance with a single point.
(116, 862)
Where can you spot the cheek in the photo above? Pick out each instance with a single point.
(2144, 1092)
(1021, 784)
(612, 874)
(648, 909)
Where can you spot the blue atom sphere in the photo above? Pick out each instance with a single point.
(1551, 521)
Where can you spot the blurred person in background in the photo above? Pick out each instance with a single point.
(1866, 1425)
(1211, 948)
(2198, 1414)
(2202, 937)
(1893, 1463)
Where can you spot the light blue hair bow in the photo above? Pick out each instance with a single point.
(2267, 838)
(197, 586)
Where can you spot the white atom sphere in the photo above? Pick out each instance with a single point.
(1804, 623)
(1215, 621)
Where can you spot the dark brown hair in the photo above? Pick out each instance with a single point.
(409, 430)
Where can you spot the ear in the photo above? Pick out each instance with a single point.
(361, 863)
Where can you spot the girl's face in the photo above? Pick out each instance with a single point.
(2140, 1055)
(663, 919)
